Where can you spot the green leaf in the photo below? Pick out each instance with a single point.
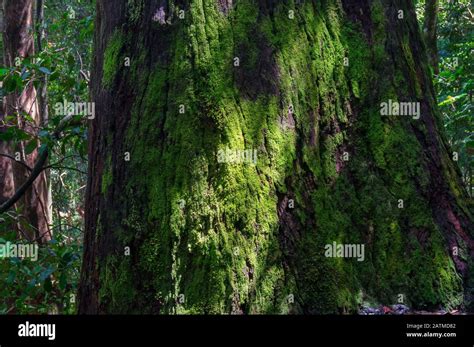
(25, 75)
(43, 133)
(62, 281)
(11, 277)
(6, 136)
(48, 285)
(451, 99)
(66, 257)
(12, 83)
(42, 148)
(45, 70)
(3, 72)
(54, 76)
(31, 146)
(46, 273)
(32, 283)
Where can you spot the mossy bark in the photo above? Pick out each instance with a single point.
(244, 237)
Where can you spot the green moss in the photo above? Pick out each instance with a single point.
(107, 176)
(210, 232)
(111, 63)
(329, 156)
(411, 66)
(117, 291)
(135, 10)
(357, 54)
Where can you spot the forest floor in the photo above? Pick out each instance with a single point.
(400, 309)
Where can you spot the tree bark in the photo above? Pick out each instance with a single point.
(430, 27)
(6, 171)
(181, 218)
(18, 38)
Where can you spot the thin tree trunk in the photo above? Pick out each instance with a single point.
(245, 139)
(19, 43)
(44, 110)
(430, 29)
(6, 171)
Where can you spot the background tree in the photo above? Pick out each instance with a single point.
(175, 222)
(430, 29)
(62, 34)
(6, 171)
(22, 109)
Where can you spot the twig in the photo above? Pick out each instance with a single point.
(65, 168)
(35, 172)
(18, 161)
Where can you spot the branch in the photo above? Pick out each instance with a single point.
(35, 172)
(37, 169)
(64, 158)
(84, 75)
(81, 70)
(65, 168)
(18, 161)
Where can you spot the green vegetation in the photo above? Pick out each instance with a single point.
(49, 285)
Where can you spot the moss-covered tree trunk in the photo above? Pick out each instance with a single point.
(246, 136)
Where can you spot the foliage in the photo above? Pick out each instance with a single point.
(47, 285)
(455, 80)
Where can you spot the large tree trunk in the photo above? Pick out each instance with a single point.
(35, 205)
(207, 236)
